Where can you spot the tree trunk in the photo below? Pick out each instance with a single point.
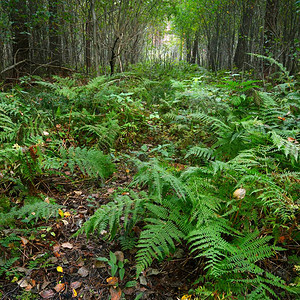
(54, 45)
(20, 48)
(195, 48)
(243, 40)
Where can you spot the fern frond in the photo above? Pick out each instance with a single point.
(216, 124)
(29, 212)
(289, 148)
(91, 162)
(200, 152)
(157, 238)
(108, 217)
(105, 133)
(158, 179)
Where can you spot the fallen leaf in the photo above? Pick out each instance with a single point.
(45, 284)
(60, 269)
(67, 245)
(75, 284)
(67, 214)
(61, 213)
(23, 270)
(83, 272)
(23, 283)
(56, 248)
(186, 297)
(281, 118)
(115, 293)
(290, 139)
(47, 200)
(153, 272)
(65, 222)
(239, 194)
(78, 193)
(59, 287)
(110, 190)
(119, 255)
(47, 294)
(112, 280)
(28, 287)
(129, 291)
(143, 280)
(74, 293)
(99, 264)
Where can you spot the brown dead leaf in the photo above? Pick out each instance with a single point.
(129, 291)
(115, 293)
(56, 248)
(59, 287)
(112, 280)
(28, 287)
(23, 283)
(47, 294)
(75, 285)
(119, 255)
(45, 284)
(67, 245)
(110, 190)
(83, 272)
(77, 193)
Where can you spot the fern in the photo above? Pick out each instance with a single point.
(6, 266)
(235, 261)
(29, 212)
(158, 180)
(92, 162)
(200, 152)
(275, 62)
(216, 125)
(108, 217)
(104, 134)
(289, 148)
(157, 238)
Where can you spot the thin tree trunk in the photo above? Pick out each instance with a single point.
(20, 48)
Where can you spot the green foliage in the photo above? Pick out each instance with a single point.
(91, 162)
(107, 219)
(29, 213)
(194, 142)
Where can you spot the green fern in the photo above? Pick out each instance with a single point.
(108, 217)
(200, 152)
(157, 238)
(29, 212)
(91, 162)
(275, 62)
(6, 266)
(159, 181)
(105, 134)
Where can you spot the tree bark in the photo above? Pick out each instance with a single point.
(54, 45)
(20, 47)
(244, 30)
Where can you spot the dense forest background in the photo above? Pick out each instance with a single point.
(105, 37)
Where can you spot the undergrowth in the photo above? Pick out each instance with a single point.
(194, 140)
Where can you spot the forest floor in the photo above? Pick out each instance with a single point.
(82, 274)
(188, 145)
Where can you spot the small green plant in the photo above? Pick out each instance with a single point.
(117, 271)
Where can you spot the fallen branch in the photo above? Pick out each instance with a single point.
(13, 66)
